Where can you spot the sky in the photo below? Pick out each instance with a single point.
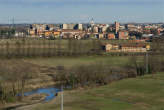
(81, 11)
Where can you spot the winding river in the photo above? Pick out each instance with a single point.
(50, 92)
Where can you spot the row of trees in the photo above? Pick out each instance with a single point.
(153, 61)
(23, 47)
(7, 32)
(10, 31)
(47, 48)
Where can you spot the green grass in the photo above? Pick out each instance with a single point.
(82, 60)
(142, 93)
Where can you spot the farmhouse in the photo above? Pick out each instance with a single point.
(107, 47)
(135, 47)
(110, 47)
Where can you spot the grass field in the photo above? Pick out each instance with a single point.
(82, 60)
(142, 93)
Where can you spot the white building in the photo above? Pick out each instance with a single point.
(80, 26)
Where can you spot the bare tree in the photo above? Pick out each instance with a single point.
(15, 77)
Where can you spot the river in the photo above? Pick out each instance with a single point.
(50, 92)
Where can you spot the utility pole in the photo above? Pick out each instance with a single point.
(147, 62)
(13, 23)
(62, 97)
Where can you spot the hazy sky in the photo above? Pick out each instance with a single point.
(67, 11)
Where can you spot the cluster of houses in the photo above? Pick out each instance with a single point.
(68, 31)
(99, 31)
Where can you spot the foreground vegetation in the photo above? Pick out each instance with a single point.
(77, 72)
(17, 76)
(141, 93)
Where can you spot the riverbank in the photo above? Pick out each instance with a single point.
(141, 93)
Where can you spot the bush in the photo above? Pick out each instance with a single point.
(97, 74)
(10, 99)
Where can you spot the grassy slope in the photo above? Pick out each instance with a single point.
(142, 93)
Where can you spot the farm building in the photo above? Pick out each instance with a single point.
(110, 47)
(135, 47)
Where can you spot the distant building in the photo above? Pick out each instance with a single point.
(56, 34)
(104, 28)
(48, 33)
(40, 29)
(122, 27)
(111, 47)
(158, 31)
(111, 36)
(150, 26)
(132, 27)
(71, 33)
(100, 36)
(47, 28)
(32, 32)
(68, 26)
(134, 48)
(123, 35)
(126, 47)
(117, 27)
(95, 29)
(80, 26)
(73, 26)
(64, 26)
(19, 34)
(107, 47)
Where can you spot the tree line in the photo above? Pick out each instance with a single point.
(40, 47)
(23, 47)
